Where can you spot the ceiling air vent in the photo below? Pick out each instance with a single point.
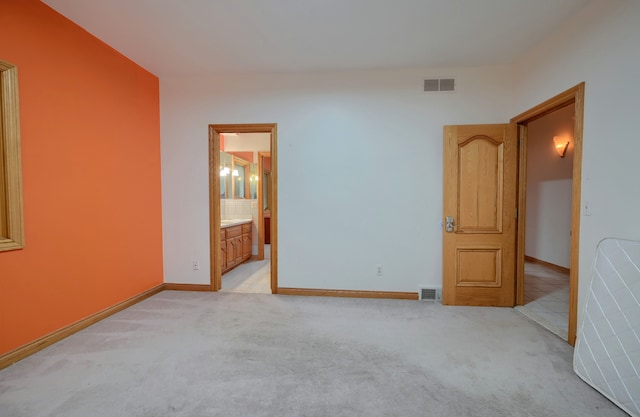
(434, 85)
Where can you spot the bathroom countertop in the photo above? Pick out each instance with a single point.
(235, 222)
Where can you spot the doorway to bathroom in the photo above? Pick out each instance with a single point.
(243, 207)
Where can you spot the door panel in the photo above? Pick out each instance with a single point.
(479, 193)
(479, 267)
(480, 185)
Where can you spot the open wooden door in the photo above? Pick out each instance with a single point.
(479, 233)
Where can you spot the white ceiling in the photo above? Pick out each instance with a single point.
(192, 37)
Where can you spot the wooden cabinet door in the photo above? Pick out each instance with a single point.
(479, 194)
(231, 252)
(246, 246)
(223, 257)
(237, 247)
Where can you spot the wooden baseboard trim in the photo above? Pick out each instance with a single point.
(187, 287)
(348, 293)
(547, 264)
(37, 345)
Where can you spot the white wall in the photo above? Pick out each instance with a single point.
(549, 187)
(360, 169)
(601, 46)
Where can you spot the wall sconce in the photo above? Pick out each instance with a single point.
(224, 171)
(561, 144)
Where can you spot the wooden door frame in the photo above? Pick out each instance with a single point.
(575, 96)
(214, 197)
(261, 198)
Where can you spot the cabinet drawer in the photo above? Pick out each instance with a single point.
(246, 228)
(233, 231)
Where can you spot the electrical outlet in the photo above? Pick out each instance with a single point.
(379, 271)
(196, 265)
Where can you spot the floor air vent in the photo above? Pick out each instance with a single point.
(434, 85)
(429, 293)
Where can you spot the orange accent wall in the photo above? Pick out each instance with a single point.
(90, 123)
(247, 156)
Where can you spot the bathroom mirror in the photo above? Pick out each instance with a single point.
(238, 178)
(253, 181)
(266, 177)
(225, 175)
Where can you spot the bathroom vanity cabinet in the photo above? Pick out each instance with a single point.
(235, 244)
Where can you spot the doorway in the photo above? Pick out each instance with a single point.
(216, 187)
(573, 96)
(484, 193)
(548, 220)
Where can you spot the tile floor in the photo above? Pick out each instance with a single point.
(250, 277)
(546, 298)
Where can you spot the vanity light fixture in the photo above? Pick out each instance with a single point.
(561, 144)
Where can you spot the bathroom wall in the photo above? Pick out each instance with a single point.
(249, 143)
(231, 209)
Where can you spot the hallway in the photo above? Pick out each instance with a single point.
(546, 298)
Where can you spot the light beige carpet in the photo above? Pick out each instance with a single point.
(230, 354)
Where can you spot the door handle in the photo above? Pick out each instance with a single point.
(449, 224)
